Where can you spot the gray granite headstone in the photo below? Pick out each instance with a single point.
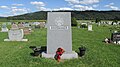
(36, 23)
(26, 25)
(16, 35)
(59, 35)
(59, 32)
(4, 28)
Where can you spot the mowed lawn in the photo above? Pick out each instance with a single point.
(98, 54)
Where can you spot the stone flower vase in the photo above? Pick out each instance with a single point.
(82, 51)
(36, 51)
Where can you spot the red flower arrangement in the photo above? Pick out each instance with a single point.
(59, 52)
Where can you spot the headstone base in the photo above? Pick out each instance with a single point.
(4, 31)
(64, 56)
(15, 40)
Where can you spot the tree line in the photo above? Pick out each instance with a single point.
(79, 15)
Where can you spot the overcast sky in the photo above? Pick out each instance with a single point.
(17, 7)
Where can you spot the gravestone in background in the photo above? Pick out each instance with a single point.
(15, 34)
(4, 28)
(99, 23)
(14, 27)
(78, 25)
(115, 37)
(42, 24)
(59, 35)
(20, 26)
(83, 25)
(26, 31)
(90, 28)
(26, 25)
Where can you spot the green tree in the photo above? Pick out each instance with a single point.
(74, 22)
(97, 20)
(115, 20)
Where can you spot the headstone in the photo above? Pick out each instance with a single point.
(118, 22)
(26, 31)
(4, 28)
(36, 23)
(115, 31)
(109, 23)
(14, 26)
(26, 25)
(20, 26)
(114, 23)
(42, 24)
(90, 28)
(59, 35)
(83, 25)
(15, 35)
(78, 25)
(99, 24)
(46, 25)
(115, 37)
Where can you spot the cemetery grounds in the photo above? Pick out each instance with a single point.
(98, 53)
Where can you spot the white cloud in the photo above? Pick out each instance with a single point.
(111, 3)
(4, 7)
(39, 5)
(36, 3)
(43, 9)
(82, 8)
(13, 7)
(54, 9)
(18, 11)
(3, 15)
(111, 6)
(89, 1)
(66, 8)
(17, 4)
(96, 5)
(72, 1)
(86, 2)
(63, 8)
(114, 8)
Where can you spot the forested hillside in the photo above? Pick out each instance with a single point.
(79, 15)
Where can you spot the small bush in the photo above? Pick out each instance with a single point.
(74, 22)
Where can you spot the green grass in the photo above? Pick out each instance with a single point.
(98, 54)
